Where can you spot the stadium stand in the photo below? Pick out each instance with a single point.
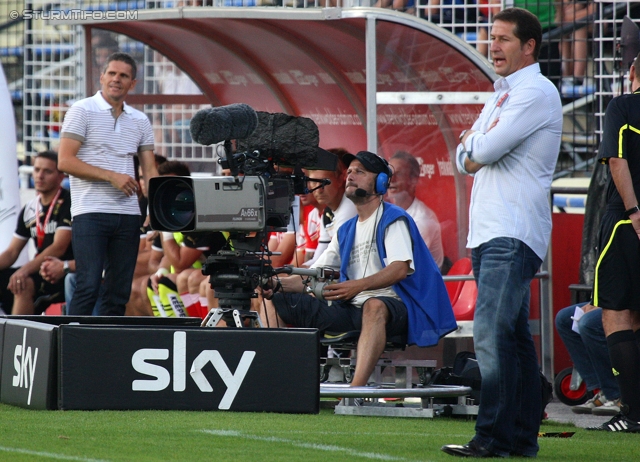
(51, 59)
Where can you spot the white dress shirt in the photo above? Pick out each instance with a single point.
(429, 227)
(510, 195)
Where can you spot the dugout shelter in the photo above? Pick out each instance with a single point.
(370, 78)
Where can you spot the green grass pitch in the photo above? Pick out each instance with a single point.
(27, 435)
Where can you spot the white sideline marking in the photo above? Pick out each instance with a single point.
(417, 434)
(321, 447)
(50, 455)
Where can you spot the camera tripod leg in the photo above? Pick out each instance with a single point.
(213, 316)
(240, 316)
(257, 322)
(235, 316)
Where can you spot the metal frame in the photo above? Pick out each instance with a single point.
(365, 401)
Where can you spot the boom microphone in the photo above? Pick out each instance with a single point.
(216, 124)
(286, 140)
(362, 193)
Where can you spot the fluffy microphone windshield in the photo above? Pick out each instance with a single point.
(284, 139)
(213, 125)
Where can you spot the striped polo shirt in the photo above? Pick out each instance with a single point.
(107, 143)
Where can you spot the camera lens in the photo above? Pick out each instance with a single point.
(174, 205)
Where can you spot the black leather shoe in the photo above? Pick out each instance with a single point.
(471, 449)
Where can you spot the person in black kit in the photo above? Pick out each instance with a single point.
(617, 275)
(47, 220)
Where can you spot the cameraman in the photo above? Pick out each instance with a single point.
(389, 284)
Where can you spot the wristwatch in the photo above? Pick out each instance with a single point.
(631, 211)
(65, 267)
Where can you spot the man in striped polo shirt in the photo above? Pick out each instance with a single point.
(100, 135)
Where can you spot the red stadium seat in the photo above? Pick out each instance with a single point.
(55, 309)
(460, 267)
(465, 305)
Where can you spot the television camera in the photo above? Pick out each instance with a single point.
(271, 149)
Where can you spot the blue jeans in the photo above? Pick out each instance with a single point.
(109, 242)
(588, 349)
(70, 288)
(510, 398)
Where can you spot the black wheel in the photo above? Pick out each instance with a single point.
(324, 373)
(424, 375)
(562, 389)
(349, 372)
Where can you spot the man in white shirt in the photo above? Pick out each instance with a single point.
(402, 192)
(337, 208)
(511, 150)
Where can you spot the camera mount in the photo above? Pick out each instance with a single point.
(235, 286)
(316, 278)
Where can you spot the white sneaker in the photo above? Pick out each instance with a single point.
(570, 90)
(607, 408)
(566, 84)
(597, 401)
